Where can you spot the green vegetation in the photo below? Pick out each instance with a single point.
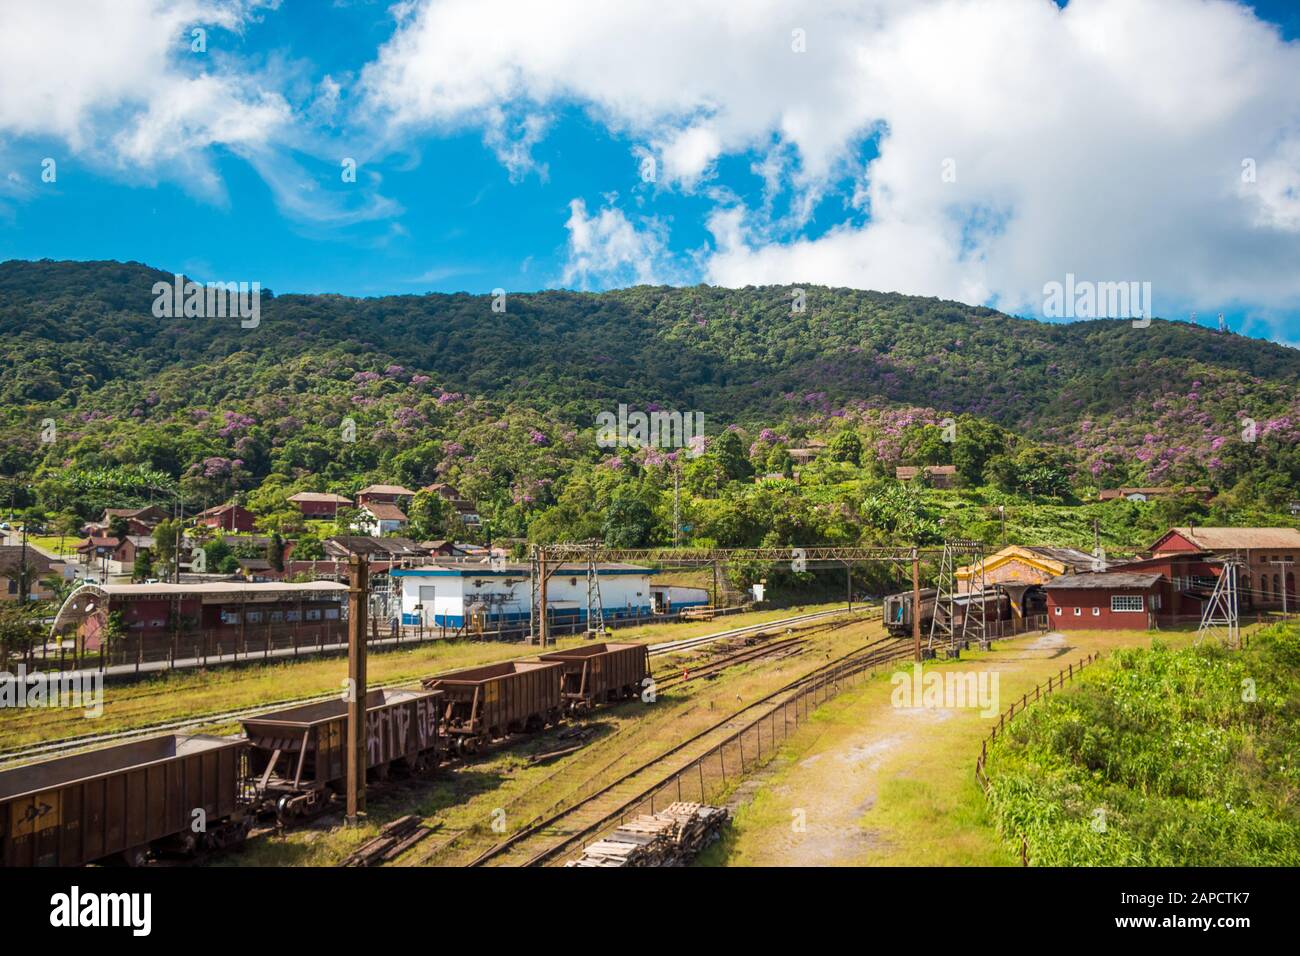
(330, 394)
(1163, 758)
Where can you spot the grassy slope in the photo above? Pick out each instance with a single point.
(1164, 758)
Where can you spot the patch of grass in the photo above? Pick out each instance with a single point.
(1162, 757)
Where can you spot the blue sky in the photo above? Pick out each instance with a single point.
(500, 146)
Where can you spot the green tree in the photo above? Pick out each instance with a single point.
(275, 551)
(429, 516)
(141, 567)
(728, 451)
(629, 521)
(846, 446)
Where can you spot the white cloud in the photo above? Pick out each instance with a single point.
(607, 250)
(119, 86)
(81, 70)
(1104, 139)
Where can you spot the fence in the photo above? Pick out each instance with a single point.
(556, 626)
(203, 647)
(1067, 673)
(708, 777)
(230, 645)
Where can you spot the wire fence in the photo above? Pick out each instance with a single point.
(712, 775)
(1055, 682)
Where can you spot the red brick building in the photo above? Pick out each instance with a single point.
(384, 494)
(227, 518)
(1268, 555)
(316, 504)
(1109, 600)
(225, 613)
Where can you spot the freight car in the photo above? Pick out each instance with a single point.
(600, 673)
(482, 704)
(898, 609)
(299, 756)
(178, 793)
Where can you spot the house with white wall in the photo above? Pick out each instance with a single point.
(445, 594)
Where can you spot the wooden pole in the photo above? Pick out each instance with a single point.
(358, 601)
(916, 603)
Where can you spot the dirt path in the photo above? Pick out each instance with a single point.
(868, 782)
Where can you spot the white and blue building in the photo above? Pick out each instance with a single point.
(446, 595)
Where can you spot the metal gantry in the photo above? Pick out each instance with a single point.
(547, 559)
(943, 622)
(1221, 616)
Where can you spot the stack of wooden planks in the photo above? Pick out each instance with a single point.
(394, 839)
(671, 837)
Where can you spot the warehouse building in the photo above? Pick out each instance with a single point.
(447, 595)
(1114, 600)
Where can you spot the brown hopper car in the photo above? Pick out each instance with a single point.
(599, 673)
(299, 755)
(177, 792)
(485, 703)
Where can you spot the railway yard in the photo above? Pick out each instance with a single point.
(525, 798)
(699, 738)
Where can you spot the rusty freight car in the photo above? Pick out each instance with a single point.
(299, 755)
(599, 673)
(485, 703)
(175, 792)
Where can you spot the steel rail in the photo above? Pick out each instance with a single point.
(870, 649)
(87, 741)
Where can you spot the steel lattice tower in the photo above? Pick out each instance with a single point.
(1221, 613)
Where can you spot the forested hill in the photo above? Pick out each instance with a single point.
(77, 332)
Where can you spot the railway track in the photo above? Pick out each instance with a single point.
(560, 831)
(766, 651)
(84, 741)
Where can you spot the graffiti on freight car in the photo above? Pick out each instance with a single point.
(389, 725)
(426, 722)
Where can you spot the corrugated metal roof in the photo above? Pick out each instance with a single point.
(1228, 539)
(1104, 580)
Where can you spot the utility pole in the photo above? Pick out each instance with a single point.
(1002, 512)
(23, 586)
(848, 567)
(358, 602)
(916, 602)
(677, 505)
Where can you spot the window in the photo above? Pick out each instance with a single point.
(313, 614)
(292, 616)
(1126, 602)
(229, 616)
(1096, 612)
(1078, 612)
(331, 614)
(1060, 611)
(253, 617)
